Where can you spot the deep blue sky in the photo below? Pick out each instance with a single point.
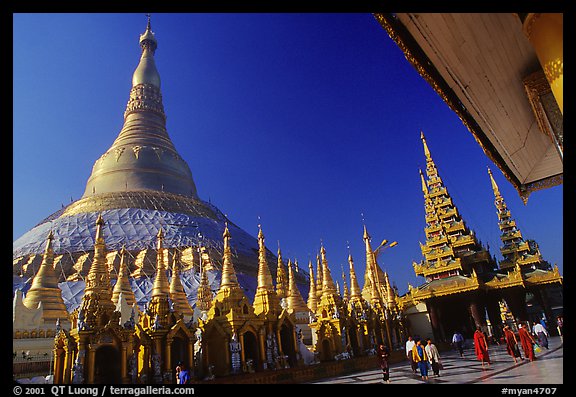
(304, 120)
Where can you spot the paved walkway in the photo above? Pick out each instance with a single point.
(546, 369)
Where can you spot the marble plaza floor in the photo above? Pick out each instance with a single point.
(547, 369)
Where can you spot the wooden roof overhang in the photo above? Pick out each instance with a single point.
(479, 64)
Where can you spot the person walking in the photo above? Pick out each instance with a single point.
(383, 354)
(542, 334)
(559, 326)
(410, 343)
(420, 357)
(527, 342)
(458, 343)
(481, 347)
(433, 357)
(512, 344)
(183, 374)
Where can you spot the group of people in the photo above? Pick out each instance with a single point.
(526, 340)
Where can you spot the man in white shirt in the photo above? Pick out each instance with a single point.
(542, 334)
(458, 342)
(409, 345)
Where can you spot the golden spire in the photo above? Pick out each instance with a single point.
(281, 280)
(266, 300)
(355, 291)
(319, 277)
(424, 187)
(123, 282)
(204, 293)
(177, 294)
(45, 289)
(142, 157)
(295, 301)
(426, 151)
(97, 302)
(494, 185)
(264, 276)
(161, 287)
(390, 293)
(373, 282)
(328, 286)
(345, 293)
(229, 278)
(312, 295)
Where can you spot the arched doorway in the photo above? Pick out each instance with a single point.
(107, 365)
(326, 351)
(251, 350)
(178, 354)
(287, 342)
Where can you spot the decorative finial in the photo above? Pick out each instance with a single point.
(148, 26)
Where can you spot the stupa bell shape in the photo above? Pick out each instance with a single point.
(143, 157)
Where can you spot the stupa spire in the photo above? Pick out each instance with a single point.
(204, 293)
(355, 291)
(161, 286)
(281, 278)
(143, 157)
(97, 304)
(177, 294)
(328, 286)
(295, 301)
(266, 300)
(123, 282)
(229, 278)
(312, 295)
(45, 288)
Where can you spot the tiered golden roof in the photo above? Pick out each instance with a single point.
(451, 247)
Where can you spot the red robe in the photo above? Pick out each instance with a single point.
(481, 346)
(510, 343)
(527, 343)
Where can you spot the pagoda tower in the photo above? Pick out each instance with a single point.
(177, 294)
(328, 327)
(122, 282)
(140, 185)
(296, 303)
(455, 265)
(281, 278)
(312, 295)
(45, 291)
(266, 301)
(359, 312)
(523, 265)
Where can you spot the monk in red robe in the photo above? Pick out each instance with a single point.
(481, 347)
(511, 344)
(527, 341)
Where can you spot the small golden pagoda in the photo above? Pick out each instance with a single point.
(177, 294)
(329, 322)
(359, 311)
(234, 338)
(281, 278)
(45, 291)
(312, 294)
(122, 282)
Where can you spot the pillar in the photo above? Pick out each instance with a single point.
(477, 313)
(124, 364)
(89, 366)
(545, 32)
(432, 312)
